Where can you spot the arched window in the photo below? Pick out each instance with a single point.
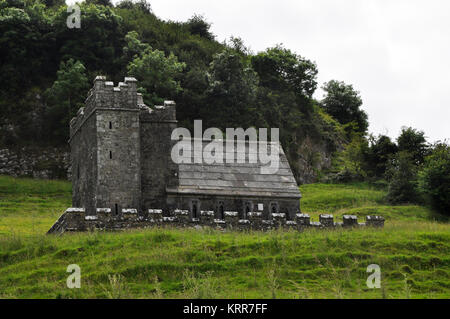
(194, 209)
(220, 210)
(116, 209)
(273, 208)
(110, 125)
(247, 209)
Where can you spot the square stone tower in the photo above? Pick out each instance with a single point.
(105, 148)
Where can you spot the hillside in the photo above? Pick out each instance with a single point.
(46, 80)
(412, 251)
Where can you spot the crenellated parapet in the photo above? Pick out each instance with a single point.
(104, 95)
(158, 113)
(75, 219)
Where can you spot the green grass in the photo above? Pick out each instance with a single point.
(29, 206)
(412, 251)
(358, 199)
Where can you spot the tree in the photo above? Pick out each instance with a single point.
(344, 103)
(98, 43)
(434, 178)
(65, 97)
(282, 70)
(194, 98)
(54, 3)
(403, 179)
(287, 82)
(381, 150)
(106, 3)
(142, 5)
(198, 25)
(232, 88)
(157, 73)
(352, 161)
(413, 142)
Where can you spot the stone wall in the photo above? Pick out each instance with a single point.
(241, 204)
(105, 148)
(118, 157)
(48, 163)
(84, 162)
(76, 219)
(158, 171)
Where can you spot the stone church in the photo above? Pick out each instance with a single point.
(121, 159)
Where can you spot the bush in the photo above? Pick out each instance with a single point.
(403, 179)
(434, 178)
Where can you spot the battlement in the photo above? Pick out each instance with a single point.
(104, 95)
(75, 219)
(159, 113)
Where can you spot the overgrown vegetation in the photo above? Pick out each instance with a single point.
(49, 67)
(414, 170)
(434, 178)
(412, 251)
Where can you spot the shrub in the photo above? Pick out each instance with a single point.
(403, 179)
(434, 178)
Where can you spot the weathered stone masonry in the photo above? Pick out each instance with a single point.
(122, 167)
(75, 219)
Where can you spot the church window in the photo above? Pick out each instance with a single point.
(195, 209)
(221, 210)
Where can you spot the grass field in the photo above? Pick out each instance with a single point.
(412, 251)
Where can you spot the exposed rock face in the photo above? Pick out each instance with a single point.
(48, 163)
(313, 157)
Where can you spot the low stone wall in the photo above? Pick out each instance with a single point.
(47, 163)
(75, 219)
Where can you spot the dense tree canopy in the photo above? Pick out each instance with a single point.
(434, 178)
(64, 98)
(198, 25)
(157, 73)
(380, 152)
(47, 69)
(344, 103)
(414, 142)
(231, 92)
(403, 179)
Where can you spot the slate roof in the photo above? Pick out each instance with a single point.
(236, 179)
